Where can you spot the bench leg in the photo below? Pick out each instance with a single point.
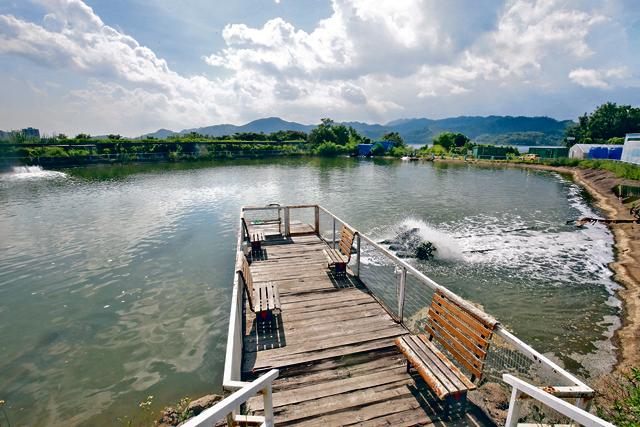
(340, 269)
(408, 367)
(256, 246)
(455, 406)
(265, 315)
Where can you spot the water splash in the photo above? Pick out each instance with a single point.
(446, 246)
(19, 173)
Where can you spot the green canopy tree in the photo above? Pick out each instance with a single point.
(606, 122)
(395, 138)
(450, 140)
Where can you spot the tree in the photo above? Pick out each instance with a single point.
(114, 137)
(606, 122)
(329, 131)
(322, 133)
(395, 138)
(378, 149)
(83, 136)
(450, 140)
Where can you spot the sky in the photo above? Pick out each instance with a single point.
(134, 66)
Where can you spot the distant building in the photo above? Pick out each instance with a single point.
(631, 149)
(549, 152)
(491, 152)
(365, 149)
(31, 133)
(596, 151)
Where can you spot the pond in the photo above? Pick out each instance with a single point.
(115, 281)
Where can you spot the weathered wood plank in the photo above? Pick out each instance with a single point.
(332, 341)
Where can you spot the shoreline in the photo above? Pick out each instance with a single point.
(626, 264)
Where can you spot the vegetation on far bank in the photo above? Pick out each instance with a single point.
(607, 124)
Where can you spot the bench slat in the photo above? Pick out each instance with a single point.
(470, 333)
(470, 347)
(482, 327)
(475, 367)
(453, 369)
(429, 359)
(429, 377)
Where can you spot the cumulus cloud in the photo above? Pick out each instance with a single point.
(588, 77)
(368, 60)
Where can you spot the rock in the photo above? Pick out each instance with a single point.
(425, 251)
(171, 417)
(203, 403)
(408, 244)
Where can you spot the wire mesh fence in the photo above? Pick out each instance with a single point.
(381, 276)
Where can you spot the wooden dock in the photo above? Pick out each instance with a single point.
(333, 344)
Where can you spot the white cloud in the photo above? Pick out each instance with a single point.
(598, 78)
(369, 60)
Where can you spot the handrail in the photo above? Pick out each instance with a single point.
(229, 404)
(565, 408)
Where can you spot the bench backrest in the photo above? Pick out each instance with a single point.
(464, 334)
(346, 241)
(247, 280)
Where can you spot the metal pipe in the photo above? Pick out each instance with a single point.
(357, 254)
(403, 280)
(334, 234)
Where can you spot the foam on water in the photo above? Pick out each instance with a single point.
(535, 252)
(19, 173)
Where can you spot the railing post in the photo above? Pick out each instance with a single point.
(317, 219)
(357, 272)
(334, 234)
(287, 223)
(403, 281)
(514, 408)
(268, 406)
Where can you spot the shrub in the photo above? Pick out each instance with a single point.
(330, 149)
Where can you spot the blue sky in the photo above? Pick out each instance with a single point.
(133, 66)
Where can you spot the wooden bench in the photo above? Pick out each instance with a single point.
(339, 258)
(264, 298)
(256, 237)
(464, 334)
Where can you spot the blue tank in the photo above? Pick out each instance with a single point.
(615, 153)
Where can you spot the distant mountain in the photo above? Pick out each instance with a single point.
(533, 130)
(267, 125)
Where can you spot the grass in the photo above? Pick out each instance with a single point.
(620, 169)
(619, 402)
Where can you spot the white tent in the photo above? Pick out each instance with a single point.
(631, 150)
(581, 151)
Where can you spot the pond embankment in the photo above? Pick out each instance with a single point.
(626, 267)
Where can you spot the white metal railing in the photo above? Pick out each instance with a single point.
(573, 412)
(565, 385)
(227, 406)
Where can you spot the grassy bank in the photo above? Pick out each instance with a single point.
(620, 169)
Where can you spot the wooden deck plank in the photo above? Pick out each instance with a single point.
(333, 343)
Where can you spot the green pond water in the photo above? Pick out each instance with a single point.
(115, 281)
